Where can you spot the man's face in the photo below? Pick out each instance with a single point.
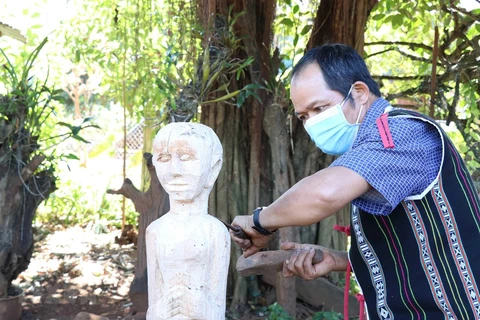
(311, 95)
(182, 165)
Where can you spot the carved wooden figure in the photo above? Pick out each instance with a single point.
(188, 251)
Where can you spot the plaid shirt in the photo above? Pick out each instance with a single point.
(406, 170)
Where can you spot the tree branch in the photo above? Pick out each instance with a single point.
(465, 12)
(128, 190)
(411, 56)
(402, 78)
(379, 52)
(30, 168)
(400, 43)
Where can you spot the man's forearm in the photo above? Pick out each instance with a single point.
(314, 198)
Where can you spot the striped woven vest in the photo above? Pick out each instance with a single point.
(421, 261)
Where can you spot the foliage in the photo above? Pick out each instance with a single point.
(276, 312)
(34, 104)
(293, 25)
(210, 80)
(80, 204)
(81, 197)
(401, 53)
(327, 315)
(27, 172)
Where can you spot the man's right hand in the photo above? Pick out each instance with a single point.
(256, 242)
(300, 263)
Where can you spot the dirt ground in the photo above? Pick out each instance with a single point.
(74, 270)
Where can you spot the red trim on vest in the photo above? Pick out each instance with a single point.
(361, 301)
(343, 229)
(346, 291)
(384, 130)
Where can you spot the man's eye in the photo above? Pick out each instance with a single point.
(186, 157)
(164, 157)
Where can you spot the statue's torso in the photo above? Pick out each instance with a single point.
(191, 254)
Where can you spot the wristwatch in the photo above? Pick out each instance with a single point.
(256, 223)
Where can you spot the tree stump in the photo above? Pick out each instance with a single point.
(151, 205)
(24, 184)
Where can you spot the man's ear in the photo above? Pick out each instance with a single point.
(215, 170)
(360, 92)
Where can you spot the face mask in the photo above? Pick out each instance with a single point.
(331, 131)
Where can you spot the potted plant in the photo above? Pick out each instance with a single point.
(27, 172)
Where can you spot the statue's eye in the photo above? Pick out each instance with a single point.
(164, 157)
(186, 157)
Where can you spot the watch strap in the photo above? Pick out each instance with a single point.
(256, 223)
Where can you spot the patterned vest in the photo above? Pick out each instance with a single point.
(421, 261)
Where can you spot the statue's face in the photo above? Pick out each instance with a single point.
(182, 164)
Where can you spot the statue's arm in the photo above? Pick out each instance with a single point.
(155, 279)
(220, 261)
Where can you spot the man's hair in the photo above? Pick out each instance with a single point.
(341, 66)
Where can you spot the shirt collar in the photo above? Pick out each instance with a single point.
(376, 109)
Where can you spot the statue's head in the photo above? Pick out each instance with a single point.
(187, 158)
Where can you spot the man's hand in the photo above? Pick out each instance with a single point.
(300, 263)
(256, 242)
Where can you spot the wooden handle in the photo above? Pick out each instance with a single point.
(269, 261)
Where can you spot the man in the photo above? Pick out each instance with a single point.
(415, 221)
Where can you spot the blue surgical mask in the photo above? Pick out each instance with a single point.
(331, 131)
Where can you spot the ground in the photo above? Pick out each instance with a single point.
(77, 269)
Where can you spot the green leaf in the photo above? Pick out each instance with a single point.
(378, 16)
(76, 130)
(77, 56)
(253, 94)
(65, 125)
(223, 98)
(306, 29)
(80, 138)
(241, 99)
(253, 86)
(295, 40)
(397, 20)
(60, 99)
(287, 21)
(71, 156)
(296, 8)
(87, 119)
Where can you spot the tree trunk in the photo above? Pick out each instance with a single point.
(151, 205)
(341, 22)
(22, 189)
(18, 202)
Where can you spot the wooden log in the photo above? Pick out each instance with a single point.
(264, 262)
(319, 293)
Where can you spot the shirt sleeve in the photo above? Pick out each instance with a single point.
(395, 173)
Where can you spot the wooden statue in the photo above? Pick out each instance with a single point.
(188, 251)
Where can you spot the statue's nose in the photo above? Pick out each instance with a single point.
(176, 167)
